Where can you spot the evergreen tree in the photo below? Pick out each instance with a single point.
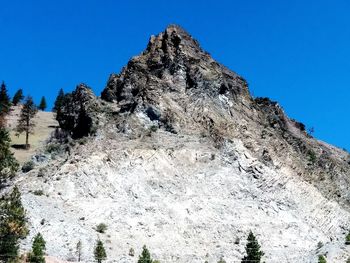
(12, 225)
(8, 163)
(38, 250)
(253, 251)
(42, 105)
(59, 101)
(25, 121)
(145, 256)
(99, 252)
(321, 259)
(5, 102)
(18, 97)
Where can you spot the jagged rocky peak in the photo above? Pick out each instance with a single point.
(173, 39)
(173, 62)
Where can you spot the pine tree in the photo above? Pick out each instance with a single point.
(253, 251)
(25, 121)
(78, 251)
(59, 101)
(18, 97)
(145, 256)
(38, 250)
(42, 105)
(8, 163)
(321, 259)
(5, 102)
(12, 225)
(99, 252)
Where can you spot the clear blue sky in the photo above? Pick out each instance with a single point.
(295, 52)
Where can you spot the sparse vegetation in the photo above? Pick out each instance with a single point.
(312, 156)
(99, 252)
(38, 192)
(221, 260)
(53, 148)
(28, 166)
(321, 259)
(101, 228)
(347, 239)
(25, 121)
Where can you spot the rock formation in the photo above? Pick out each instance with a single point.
(184, 160)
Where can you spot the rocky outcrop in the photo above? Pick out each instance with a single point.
(174, 66)
(77, 114)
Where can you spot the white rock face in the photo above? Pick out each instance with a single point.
(186, 200)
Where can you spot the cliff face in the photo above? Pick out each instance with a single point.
(184, 160)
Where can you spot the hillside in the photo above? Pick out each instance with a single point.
(177, 155)
(45, 125)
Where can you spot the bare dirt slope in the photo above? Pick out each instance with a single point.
(45, 124)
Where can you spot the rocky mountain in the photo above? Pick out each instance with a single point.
(176, 154)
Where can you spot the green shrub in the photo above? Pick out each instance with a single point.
(28, 166)
(312, 156)
(53, 148)
(101, 228)
(347, 239)
(38, 192)
(321, 259)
